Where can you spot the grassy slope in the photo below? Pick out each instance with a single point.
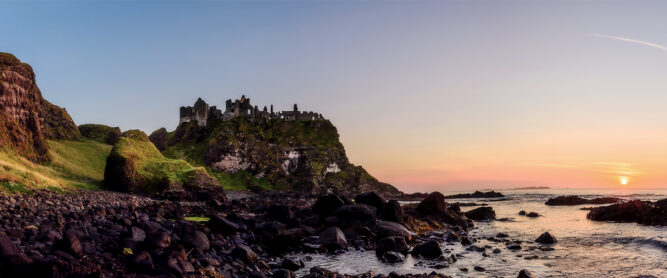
(150, 163)
(75, 164)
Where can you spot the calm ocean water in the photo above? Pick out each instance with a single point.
(585, 248)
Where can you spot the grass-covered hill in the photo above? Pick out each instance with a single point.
(136, 165)
(73, 164)
(272, 154)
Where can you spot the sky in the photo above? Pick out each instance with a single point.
(426, 95)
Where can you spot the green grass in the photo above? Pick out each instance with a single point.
(74, 164)
(12, 187)
(151, 166)
(197, 219)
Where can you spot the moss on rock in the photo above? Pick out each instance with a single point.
(136, 165)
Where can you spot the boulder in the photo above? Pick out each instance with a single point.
(387, 228)
(392, 211)
(392, 243)
(355, 213)
(283, 273)
(392, 257)
(533, 214)
(159, 138)
(546, 238)
(159, 239)
(71, 244)
(522, 213)
(481, 213)
(280, 213)
(326, 204)
(244, 253)
(434, 203)
(7, 246)
(642, 212)
(429, 249)
(196, 240)
(332, 239)
(221, 225)
(371, 198)
(525, 274)
(292, 264)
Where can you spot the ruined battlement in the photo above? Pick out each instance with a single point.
(202, 113)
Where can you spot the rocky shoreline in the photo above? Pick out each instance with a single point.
(111, 234)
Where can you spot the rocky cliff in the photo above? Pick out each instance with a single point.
(305, 156)
(26, 119)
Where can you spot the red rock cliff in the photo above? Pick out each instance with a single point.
(26, 119)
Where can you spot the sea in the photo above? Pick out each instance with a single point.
(585, 248)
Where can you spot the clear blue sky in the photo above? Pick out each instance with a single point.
(425, 94)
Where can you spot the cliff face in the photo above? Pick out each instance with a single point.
(300, 155)
(26, 119)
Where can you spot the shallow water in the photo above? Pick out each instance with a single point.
(585, 248)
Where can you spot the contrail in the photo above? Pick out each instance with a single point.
(655, 45)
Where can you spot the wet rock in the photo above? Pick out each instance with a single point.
(481, 213)
(387, 228)
(280, 213)
(434, 203)
(533, 214)
(479, 268)
(283, 273)
(642, 212)
(477, 194)
(546, 238)
(159, 240)
(356, 213)
(392, 211)
(514, 246)
(371, 198)
(244, 253)
(576, 200)
(523, 212)
(292, 265)
(392, 257)
(332, 239)
(429, 250)
(525, 274)
(326, 204)
(392, 243)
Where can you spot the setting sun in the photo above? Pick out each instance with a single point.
(624, 180)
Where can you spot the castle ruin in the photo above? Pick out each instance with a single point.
(202, 113)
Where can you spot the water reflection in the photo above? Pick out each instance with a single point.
(585, 248)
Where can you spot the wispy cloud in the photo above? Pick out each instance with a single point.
(654, 45)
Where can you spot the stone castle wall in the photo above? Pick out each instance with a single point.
(202, 113)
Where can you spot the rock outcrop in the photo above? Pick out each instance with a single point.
(642, 212)
(101, 133)
(304, 156)
(135, 165)
(477, 194)
(576, 200)
(26, 119)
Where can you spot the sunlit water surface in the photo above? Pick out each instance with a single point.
(585, 248)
